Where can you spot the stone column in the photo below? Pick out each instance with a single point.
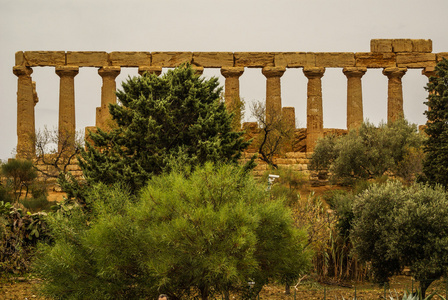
(314, 110)
(25, 112)
(108, 96)
(394, 93)
(150, 69)
(354, 96)
(232, 91)
(67, 121)
(273, 90)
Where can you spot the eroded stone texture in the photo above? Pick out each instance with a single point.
(213, 59)
(44, 58)
(67, 120)
(375, 60)
(354, 96)
(381, 45)
(314, 109)
(108, 96)
(171, 59)
(335, 59)
(87, 58)
(422, 46)
(25, 112)
(273, 90)
(254, 59)
(394, 93)
(232, 87)
(402, 45)
(289, 120)
(416, 60)
(295, 59)
(130, 59)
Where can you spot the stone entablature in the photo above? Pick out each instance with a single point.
(394, 56)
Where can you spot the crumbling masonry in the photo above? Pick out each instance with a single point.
(394, 56)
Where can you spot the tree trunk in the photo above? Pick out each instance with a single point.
(287, 289)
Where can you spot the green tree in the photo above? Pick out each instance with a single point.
(188, 235)
(435, 164)
(178, 116)
(20, 173)
(369, 152)
(396, 226)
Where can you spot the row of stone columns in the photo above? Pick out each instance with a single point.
(67, 123)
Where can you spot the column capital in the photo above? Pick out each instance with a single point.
(22, 71)
(354, 71)
(232, 71)
(109, 71)
(429, 71)
(150, 69)
(273, 71)
(394, 72)
(70, 71)
(313, 72)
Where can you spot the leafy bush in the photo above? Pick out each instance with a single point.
(19, 234)
(369, 152)
(396, 226)
(187, 235)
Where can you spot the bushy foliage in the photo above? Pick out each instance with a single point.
(19, 173)
(369, 152)
(435, 166)
(19, 234)
(187, 234)
(396, 226)
(177, 116)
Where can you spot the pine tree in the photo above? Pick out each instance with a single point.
(435, 165)
(175, 119)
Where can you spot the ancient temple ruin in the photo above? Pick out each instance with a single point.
(394, 56)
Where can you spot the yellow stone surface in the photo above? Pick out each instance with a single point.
(130, 59)
(402, 45)
(381, 45)
(170, 59)
(335, 59)
(87, 58)
(416, 60)
(375, 60)
(422, 46)
(295, 59)
(254, 59)
(213, 59)
(20, 58)
(44, 58)
(442, 55)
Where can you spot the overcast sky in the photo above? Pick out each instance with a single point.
(207, 25)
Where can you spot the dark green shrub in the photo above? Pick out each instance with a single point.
(187, 235)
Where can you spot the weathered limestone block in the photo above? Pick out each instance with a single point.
(422, 46)
(150, 69)
(375, 59)
(87, 58)
(295, 59)
(130, 59)
(416, 60)
(213, 59)
(429, 71)
(335, 59)
(44, 58)
(254, 59)
(402, 45)
(20, 58)
(170, 59)
(381, 45)
(441, 56)
(232, 89)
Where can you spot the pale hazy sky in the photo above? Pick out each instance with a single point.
(207, 25)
